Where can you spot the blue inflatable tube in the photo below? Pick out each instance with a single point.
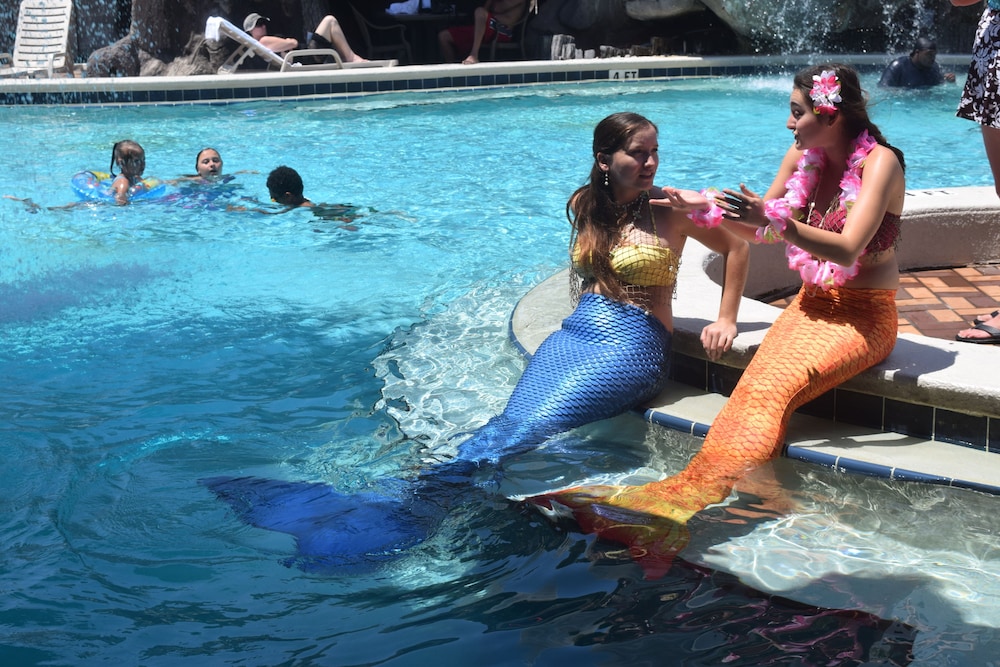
(96, 186)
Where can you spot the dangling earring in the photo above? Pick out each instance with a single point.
(606, 179)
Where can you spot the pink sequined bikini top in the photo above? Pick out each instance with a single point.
(885, 238)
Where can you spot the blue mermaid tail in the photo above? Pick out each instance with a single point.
(607, 359)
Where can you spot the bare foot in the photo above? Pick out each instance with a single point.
(471, 60)
(986, 318)
(357, 59)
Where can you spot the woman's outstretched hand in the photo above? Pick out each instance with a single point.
(685, 200)
(743, 206)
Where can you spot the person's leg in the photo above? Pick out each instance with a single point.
(991, 321)
(991, 140)
(446, 44)
(330, 30)
(480, 26)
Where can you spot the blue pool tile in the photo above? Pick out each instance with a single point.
(823, 406)
(909, 418)
(689, 370)
(676, 423)
(811, 456)
(960, 429)
(864, 467)
(722, 379)
(859, 409)
(914, 476)
(977, 486)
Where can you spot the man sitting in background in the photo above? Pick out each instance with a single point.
(917, 70)
(493, 21)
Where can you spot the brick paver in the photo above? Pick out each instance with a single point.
(941, 302)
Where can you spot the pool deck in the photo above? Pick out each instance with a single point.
(930, 412)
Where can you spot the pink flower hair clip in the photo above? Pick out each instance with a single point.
(825, 92)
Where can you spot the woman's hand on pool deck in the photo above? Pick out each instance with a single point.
(717, 338)
(684, 200)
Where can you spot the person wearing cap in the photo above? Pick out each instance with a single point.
(327, 35)
(917, 70)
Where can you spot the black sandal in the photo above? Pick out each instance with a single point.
(985, 318)
(994, 335)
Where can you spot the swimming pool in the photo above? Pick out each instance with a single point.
(150, 346)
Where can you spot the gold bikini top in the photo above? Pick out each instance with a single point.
(640, 264)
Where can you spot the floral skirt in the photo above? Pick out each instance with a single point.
(981, 97)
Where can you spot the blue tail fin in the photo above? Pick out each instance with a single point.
(332, 530)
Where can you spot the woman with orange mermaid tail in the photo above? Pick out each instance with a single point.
(841, 225)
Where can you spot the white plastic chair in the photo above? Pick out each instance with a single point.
(44, 42)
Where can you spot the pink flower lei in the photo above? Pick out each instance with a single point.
(711, 216)
(801, 186)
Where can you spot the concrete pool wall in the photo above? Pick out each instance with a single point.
(327, 84)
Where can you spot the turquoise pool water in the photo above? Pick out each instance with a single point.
(150, 346)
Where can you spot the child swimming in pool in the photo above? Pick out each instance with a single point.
(130, 158)
(285, 187)
(208, 168)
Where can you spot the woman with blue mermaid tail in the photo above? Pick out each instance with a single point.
(836, 203)
(611, 355)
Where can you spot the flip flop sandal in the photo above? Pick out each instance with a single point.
(994, 335)
(985, 318)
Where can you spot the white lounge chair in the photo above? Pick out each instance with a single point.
(44, 41)
(216, 28)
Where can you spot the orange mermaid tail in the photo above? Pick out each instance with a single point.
(817, 343)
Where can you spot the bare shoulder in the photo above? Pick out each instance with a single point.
(883, 163)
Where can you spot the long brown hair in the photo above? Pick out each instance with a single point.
(853, 106)
(591, 210)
